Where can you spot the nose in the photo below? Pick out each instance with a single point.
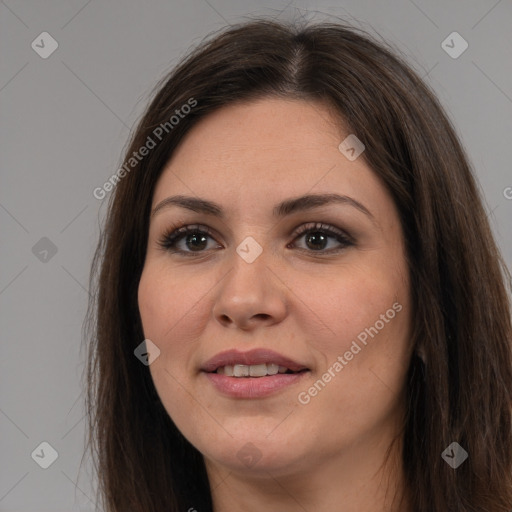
(250, 295)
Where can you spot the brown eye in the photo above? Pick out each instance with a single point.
(317, 235)
(195, 239)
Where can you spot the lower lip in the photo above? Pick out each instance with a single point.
(253, 387)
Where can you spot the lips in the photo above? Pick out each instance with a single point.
(252, 375)
(232, 358)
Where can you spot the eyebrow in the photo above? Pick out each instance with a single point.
(287, 207)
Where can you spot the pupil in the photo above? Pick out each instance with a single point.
(318, 235)
(196, 236)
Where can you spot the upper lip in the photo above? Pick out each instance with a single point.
(251, 357)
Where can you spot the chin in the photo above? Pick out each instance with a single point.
(250, 459)
(255, 451)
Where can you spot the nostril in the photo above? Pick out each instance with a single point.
(263, 316)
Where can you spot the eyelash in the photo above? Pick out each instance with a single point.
(173, 235)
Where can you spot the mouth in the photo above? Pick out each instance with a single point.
(254, 374)
(255, 370)
(253, 363)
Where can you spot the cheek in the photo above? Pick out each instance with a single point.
(152, 300)
(353, 300)
(174, 314)
(369, 319)
(364, 385)
(166, 305)
(165, 301)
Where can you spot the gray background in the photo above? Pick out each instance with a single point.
(65, 121)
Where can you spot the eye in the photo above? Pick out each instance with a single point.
(316, 235)
(196, 238)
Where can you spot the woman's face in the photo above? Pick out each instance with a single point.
(320, 288)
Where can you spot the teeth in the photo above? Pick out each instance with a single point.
(272, 369)
(257, 370)
(253, 370)
(241, 370)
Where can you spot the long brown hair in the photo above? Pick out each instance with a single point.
(462, 390)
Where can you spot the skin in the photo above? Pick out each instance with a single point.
(296, 298)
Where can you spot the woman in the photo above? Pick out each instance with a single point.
(300, 304)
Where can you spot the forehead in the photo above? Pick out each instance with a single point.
(260, 152)
(264, 119)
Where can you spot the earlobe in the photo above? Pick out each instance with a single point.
(420, 352)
